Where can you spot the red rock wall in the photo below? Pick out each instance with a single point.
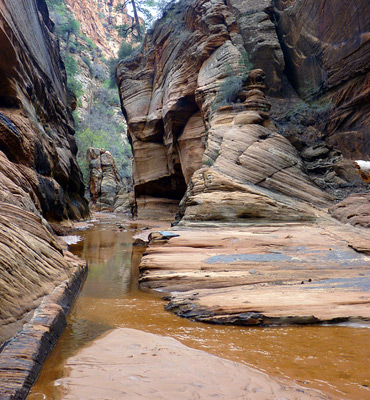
(37, 145)
(327, 50)
(98, 19)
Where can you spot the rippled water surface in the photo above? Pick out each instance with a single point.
(334, 359)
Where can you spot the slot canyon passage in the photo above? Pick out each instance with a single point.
(214, 242)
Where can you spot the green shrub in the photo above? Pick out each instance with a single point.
(209, 162)
(228, 90)
(71, 66)
(100, 129)
(72, 70)
(87, 61)
(232, 83)
(99, 72)
(90, 43)
(75, 86)
(125, 50)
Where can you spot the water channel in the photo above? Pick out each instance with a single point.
(334, 359)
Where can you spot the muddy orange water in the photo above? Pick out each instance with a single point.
(334, 359)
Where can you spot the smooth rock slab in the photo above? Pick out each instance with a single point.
(263, 274)
(131, 364)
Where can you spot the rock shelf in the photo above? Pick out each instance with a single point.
(263, 274)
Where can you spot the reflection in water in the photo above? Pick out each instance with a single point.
(331, 358)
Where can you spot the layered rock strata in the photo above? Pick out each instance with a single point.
(183, 136)
(21, 359)
(38, 169)
(39, 176)
(193, 62)
(253, 171)
(107, 191)
(262, 274)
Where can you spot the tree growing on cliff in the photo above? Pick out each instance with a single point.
(65, 25)
(135, 28)
(72, 27)
(145, 12)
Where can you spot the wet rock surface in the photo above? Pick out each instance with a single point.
(263, 274)
(22, 357)
(127, 362)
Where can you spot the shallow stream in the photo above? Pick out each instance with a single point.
(334, 359)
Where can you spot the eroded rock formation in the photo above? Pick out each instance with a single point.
(107, 191)
(37, 148)
(253, 171)
(355, 209)
(322, 57)
(39, 175)
(192, 64)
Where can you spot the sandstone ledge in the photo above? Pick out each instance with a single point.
(263, 274)
(21, 358)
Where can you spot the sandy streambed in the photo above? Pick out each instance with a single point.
(131, 364)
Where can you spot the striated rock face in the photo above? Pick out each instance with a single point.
(193, 63)
(37, 148)
(254, 172)
(172, 96)
(33, 263)
(255, 23)
(262, 274)
(39, 175)
(323, 57)
(107, 191)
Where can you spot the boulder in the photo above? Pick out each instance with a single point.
(355, 209)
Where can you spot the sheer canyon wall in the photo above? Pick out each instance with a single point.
(232, 144)
(39, 176)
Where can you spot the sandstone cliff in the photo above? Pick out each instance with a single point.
(255, 163)
(323, 57)
(39, 175)
(39, 169)
(98, 19)
(107, 191)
